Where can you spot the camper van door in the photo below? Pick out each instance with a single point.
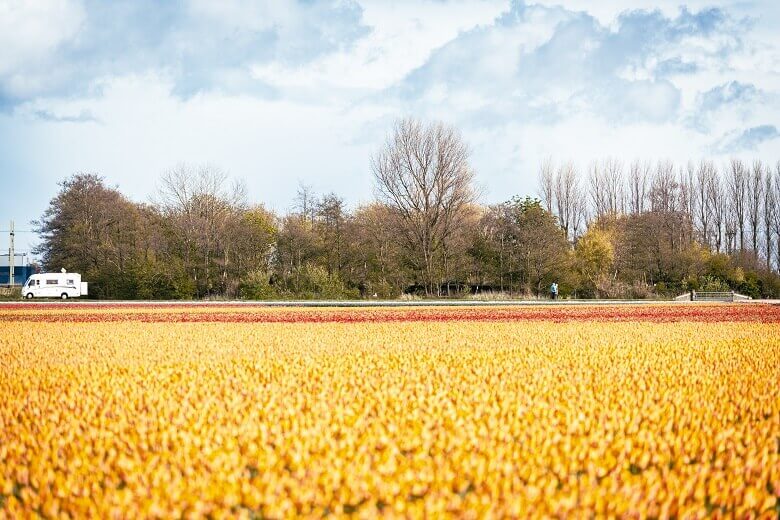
(31, 286)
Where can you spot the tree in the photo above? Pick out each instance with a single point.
(331, 218)
(254, 237)
(716, 195)
(613, 184)
(597, 191)
(664, 189)
(423, 173)
(521, 247)
(638, 178)
(704, 177)
(570, 204)
(595, 256)
(298, 246)
(776, 213)
(377, 258)
(92, 229)
(199, 207)
(306, 202)
(541, 246)
(547, 184)
(770, 209)
(737, 191)
(687, 182)
(648, 249)
(493, 249)
(755, 190)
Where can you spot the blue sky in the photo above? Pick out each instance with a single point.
(279, 93)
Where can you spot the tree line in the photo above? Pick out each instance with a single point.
(671, 227)
(614, 230)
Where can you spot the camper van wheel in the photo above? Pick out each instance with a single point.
(64, 296)
(29, 296)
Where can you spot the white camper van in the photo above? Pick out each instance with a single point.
(54, 285)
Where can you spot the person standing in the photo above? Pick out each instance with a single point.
(554, 291)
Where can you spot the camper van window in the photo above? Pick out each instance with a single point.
(51, 282)
(70, 282)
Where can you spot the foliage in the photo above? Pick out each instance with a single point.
(314, 281)
(595, 257)
(257, 286)
(200, 238)
(710, 283)
(520, 248)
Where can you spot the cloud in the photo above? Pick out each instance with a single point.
(747, 140)
(402, 36)
(732, 97)
(544, 64)
(29, 31)
(675, 66)
(31, 34)
(626, 102)
(65, 48)
(85, 116)
(727, 93)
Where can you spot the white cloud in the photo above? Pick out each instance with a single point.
(30, 33)
(62, 49)
(607, 11)
(401, 38)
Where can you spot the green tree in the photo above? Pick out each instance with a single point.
(595, 256)
(522, 247)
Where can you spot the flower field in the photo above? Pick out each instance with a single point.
(657, 313)
(170, 411)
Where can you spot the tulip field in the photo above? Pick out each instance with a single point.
(157, 411)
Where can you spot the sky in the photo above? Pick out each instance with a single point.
(279, 94)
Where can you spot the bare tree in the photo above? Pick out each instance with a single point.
(737, 190)
(305, 204)
(717, 200)
(638, 179)
(687, 181)
(423, 172)
(612, 171)
(755, 198)
(704, 173)
(597, 191)
(547, 184)
(770, 209)
(198, 203)
(664, 188)
(570, 205)
(776, 213)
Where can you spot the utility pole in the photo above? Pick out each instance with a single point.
(11, 257)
